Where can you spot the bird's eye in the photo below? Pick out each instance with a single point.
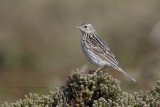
(85, 26)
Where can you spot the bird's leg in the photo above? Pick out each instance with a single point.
(104, 67)
(100, 68)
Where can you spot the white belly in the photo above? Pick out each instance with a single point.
(92, 57)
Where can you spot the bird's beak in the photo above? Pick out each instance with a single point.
(77, 27)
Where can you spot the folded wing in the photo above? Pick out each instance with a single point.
(99, 47)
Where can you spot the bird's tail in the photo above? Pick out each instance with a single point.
(132, 79)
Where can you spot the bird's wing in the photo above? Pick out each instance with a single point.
(99, 47)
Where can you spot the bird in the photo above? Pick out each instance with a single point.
(97, 51)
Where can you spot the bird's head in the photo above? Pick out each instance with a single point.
(86, 28)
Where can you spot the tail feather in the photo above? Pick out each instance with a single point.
(132, 79)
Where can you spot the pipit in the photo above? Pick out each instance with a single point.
(97, 51)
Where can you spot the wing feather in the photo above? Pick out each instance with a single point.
(99, 47)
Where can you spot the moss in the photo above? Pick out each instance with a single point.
(99, 90)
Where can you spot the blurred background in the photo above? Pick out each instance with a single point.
(40, 46)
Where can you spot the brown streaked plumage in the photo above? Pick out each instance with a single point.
(97, 51)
